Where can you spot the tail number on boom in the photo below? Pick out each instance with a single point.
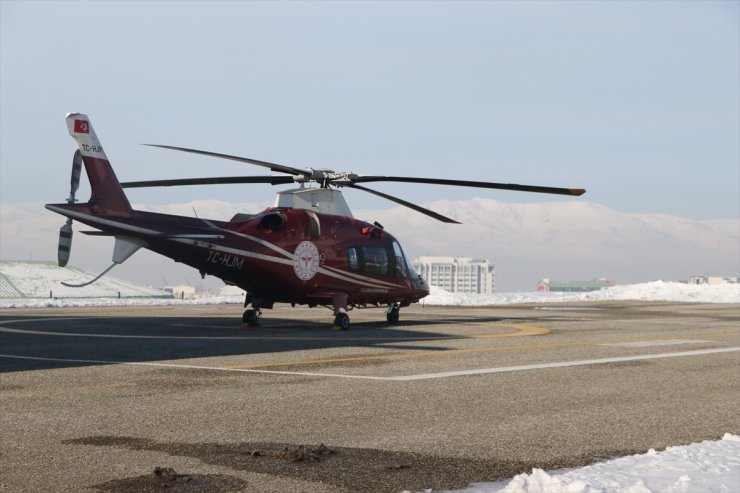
(225, 260)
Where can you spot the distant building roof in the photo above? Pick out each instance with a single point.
(574, 286)
(579, 284)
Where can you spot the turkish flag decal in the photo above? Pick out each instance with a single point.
(82, 127)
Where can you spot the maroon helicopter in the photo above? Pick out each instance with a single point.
(306, 250)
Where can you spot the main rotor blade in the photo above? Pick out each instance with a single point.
(272, 180)
(438, 217)
(272, 166)
(474, 184)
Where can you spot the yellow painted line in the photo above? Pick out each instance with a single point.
(520, 330)
(331, 360)
(449, 352)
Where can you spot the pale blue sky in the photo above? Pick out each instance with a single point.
(638, 102)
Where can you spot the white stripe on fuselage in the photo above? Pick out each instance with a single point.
(327, 271)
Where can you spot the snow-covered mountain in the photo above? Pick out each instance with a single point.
(568, 241)
(526, 242)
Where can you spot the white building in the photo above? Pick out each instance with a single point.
(183, 292)
(713, 280)
(457, 274)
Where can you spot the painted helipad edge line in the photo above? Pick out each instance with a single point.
(564, 364)
(425, 376)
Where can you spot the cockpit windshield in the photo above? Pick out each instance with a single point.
(402, 266)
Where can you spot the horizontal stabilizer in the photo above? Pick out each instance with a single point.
(181, 236)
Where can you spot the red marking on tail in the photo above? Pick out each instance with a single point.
(82, 127)
(107, 195)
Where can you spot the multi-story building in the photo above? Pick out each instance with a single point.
(457, 274)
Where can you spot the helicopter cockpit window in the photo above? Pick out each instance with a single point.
(375, 260)
(354, 262)
(401, 270)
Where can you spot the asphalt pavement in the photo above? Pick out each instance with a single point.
(138, 398)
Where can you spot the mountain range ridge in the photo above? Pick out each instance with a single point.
(525, 241)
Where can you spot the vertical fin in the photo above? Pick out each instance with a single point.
(107, 195)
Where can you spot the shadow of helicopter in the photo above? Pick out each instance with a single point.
(62, 342)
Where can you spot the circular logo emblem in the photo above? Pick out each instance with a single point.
(306, 260)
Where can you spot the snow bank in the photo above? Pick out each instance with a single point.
(29, 284)
(653, 291)
(81, 302)
(707, 467)
(39, 279)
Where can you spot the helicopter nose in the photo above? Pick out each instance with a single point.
(421, 289)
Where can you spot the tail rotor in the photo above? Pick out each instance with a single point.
(65, 233)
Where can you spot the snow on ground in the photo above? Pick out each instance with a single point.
(652, 291)
(83, 302)
(35, 280)
(24, 280)
(706, 467)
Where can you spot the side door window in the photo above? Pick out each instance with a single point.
(375, 260)
(354, 261)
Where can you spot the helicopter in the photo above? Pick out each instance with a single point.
(307, 249)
